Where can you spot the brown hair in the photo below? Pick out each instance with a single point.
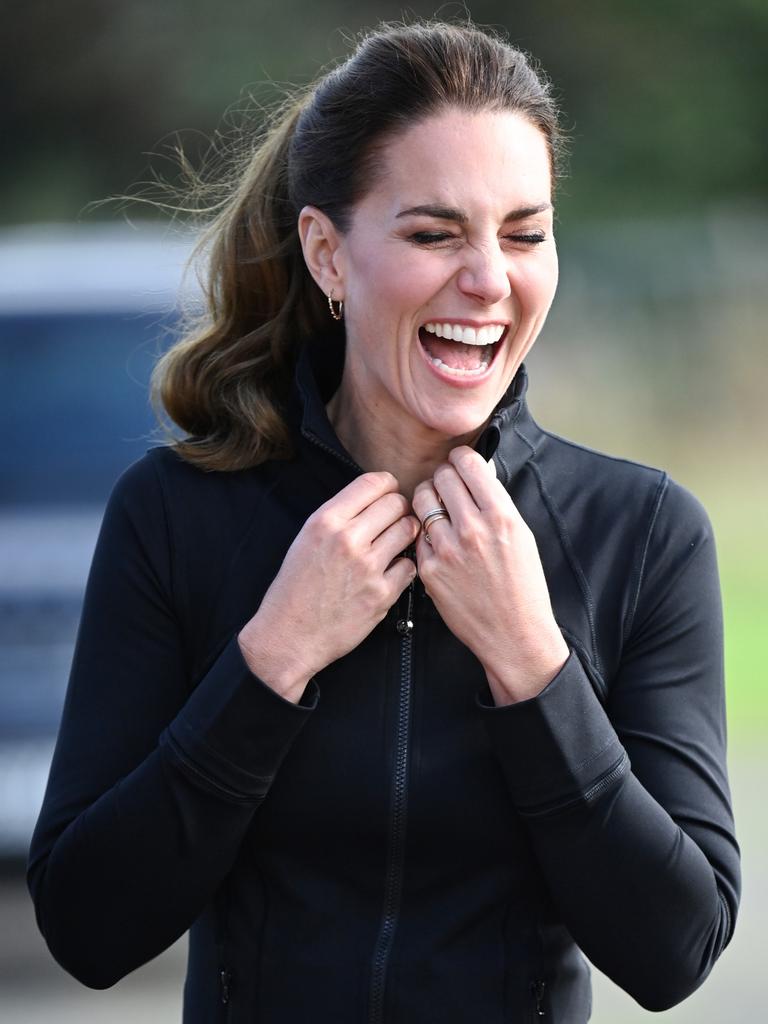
(226, 382)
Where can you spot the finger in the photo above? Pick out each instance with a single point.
(478, 477)
(395, 539)
(457, 497)
(380, 515)
(362, 492)
(426, 500)
(399, 574)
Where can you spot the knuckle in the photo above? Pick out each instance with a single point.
(421, 488)
(382, 480)
(426, 574)
(345, 543)
(466, 458)
(380, 597)
(403, 530)
(474, 539)
(370, 486)
(497, 519)
(320, 522)
(400, 504)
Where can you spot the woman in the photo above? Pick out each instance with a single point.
(386, 694)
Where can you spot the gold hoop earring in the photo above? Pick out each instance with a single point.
(334, 314)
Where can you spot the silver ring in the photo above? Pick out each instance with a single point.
(432, 517)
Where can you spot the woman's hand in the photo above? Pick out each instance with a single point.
(484, 575)
(337, 581)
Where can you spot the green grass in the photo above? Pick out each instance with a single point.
(745, 608)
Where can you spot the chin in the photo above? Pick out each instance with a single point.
(455, 423)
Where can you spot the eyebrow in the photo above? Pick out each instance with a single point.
(449, 213)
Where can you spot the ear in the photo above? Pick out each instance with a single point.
(321, 244)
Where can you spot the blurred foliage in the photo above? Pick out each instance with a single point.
(666, 103)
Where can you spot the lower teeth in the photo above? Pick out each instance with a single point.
(457, 371)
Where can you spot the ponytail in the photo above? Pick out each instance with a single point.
(226, 381)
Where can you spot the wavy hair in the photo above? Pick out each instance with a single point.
(227, 380)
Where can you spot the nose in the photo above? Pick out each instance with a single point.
(485, 274)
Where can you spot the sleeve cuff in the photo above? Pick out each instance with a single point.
(556, 749)
(235, 730)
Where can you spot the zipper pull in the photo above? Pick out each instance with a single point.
(405, 625)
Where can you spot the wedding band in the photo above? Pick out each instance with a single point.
(432, 517)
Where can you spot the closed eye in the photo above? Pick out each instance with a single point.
(532, 239)
(435, 237)
(430, 237)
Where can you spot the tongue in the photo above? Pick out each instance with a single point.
(455, 354)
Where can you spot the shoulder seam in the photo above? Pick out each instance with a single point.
(661, 492)
(595, 451)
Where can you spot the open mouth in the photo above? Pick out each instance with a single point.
(459, 350)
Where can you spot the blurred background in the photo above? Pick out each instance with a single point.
(655, 348)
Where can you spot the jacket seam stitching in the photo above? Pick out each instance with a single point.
(222, 759)
(661, 492)
(728, 923)
(192, 769)
(572, 561)
(581, 765)
(596, 451)
(614, 772)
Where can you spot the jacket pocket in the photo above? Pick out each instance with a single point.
(539, 1002)
(225, 993)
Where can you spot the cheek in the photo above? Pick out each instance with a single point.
(536, 285)
(399, 282)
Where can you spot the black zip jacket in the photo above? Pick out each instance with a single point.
(393, 849)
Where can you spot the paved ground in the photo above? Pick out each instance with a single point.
(34, 990)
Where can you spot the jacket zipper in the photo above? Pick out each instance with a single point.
(340, 456)
(396, 852)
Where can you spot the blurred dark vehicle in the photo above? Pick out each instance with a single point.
(84, 312)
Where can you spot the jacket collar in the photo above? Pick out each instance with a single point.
(511, 435)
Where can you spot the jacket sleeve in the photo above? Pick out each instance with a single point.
(628, 806)
(154, 780)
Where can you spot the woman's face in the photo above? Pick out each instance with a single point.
(449, 269)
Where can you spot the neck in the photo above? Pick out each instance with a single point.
(411, 452)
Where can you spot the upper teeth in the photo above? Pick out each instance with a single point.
(487, 335)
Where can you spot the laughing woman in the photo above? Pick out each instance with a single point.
(398, 702)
